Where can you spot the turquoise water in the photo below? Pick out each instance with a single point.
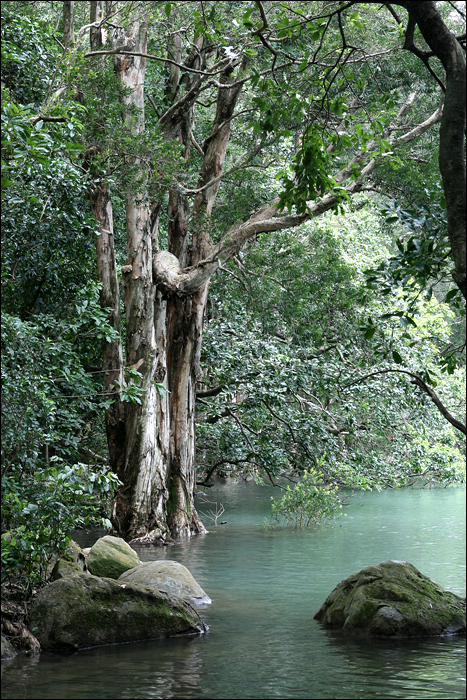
(265, 587)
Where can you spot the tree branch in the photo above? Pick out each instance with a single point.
(215, 391)
(92, 455)
(166, 268)
(40, 117)
(111, 52)
(418, 381)
(212, 469)
(409, 45)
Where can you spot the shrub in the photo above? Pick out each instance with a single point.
(40, 509)
(308, 503)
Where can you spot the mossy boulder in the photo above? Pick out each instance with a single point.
(168, 576)
(65, 568)
(85, 611)
(110, 557)
(8, 650)
(393, 599)
(75, 554)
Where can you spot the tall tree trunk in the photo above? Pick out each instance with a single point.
(112, 355)
(68, 22)
(186, 314)
(140, 505)
(451, 135)
(184, 335)
(444, 45)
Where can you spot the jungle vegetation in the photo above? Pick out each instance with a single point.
(233, 244)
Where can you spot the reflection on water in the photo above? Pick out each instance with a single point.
(266, 587)
(159, 669)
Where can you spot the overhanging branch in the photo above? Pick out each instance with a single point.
(166, 268)
(418, 381)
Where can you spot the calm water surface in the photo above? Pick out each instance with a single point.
(266, 586)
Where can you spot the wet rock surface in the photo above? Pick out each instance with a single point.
(8, 651)
(83, 611)
(169, 576)
(393, 599)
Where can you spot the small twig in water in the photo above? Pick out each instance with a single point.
(211, 514)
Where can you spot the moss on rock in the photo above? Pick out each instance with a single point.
(8, 650)
(65, 568)
(110, 557)
(393, 599)
(75, 554)
(84, 611)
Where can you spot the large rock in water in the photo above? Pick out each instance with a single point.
(110, 557)
(393, 599)
(168, 576)
(8, 650)
(84, 611)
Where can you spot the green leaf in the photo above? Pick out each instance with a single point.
(396, 357)
(450, 295)
(408, 321)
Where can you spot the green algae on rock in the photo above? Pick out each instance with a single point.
(169, 576)
(393, 599)
(110, 557)
(84, 611)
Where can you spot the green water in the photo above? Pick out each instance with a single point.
(266, 587)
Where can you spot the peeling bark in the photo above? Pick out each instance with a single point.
(141, 502)
(112, 356)
(112, 359)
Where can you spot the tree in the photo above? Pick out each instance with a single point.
(451, 145)
(266, 84)
(152, 445)
(303, 365)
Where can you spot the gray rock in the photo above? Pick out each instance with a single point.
(72, 554)
(393, 599)
(84, 611)
(169, 576)
(75, 554)
(110, 557)
(65, 568)
(8, 650)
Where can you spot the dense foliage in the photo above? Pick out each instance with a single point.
(54, 474)
(41, 508)
(299, 339)
(313, 336)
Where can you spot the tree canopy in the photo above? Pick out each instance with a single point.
(233, 242)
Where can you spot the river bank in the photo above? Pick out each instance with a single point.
(266, 586)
